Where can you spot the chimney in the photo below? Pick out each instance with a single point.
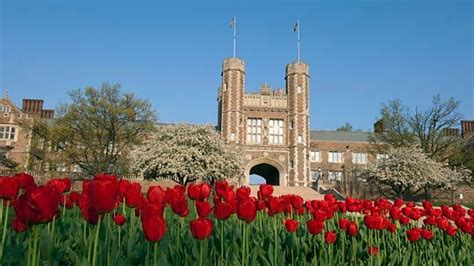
(32, 106)
(47, 114)
(451, 132)
(379, 126)
(467, 128)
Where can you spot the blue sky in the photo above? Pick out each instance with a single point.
(361, 53)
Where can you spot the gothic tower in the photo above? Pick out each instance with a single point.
(297, 87)
(231, 97)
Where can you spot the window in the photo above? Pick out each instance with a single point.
(300, 139)
(4, 109)
(359, 158)
(334, 176)
(298, 89)
(315, 156)
(335, 157)
(254, 130)
(314, 175)
(232, 136)
(381, 156)
(275, 133)
(7, 132)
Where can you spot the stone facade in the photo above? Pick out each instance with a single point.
(15, 137)
(271, 126)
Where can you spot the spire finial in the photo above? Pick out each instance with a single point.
(296, 29)
(5, 94)
(233, 25)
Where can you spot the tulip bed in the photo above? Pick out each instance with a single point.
(110, 222)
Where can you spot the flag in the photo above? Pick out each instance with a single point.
(232, 22)
(297, 26)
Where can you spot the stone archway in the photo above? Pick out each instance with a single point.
(272, 172)
(268, 172)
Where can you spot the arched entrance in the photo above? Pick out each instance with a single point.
(267, 172)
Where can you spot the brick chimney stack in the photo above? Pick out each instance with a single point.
(467, 128)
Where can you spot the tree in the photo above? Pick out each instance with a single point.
(186, 153)
(99, 127)
(400, 127)
(346, 127)
(408, 169)
(393, 129)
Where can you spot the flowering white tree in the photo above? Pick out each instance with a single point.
(408, 169)
(186, 153)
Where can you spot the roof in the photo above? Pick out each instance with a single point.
(343, 136)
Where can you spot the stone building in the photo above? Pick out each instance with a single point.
(272, 127)
(15, 138)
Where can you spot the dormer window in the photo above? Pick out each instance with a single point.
(4, 109)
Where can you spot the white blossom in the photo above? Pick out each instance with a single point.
(185, 153)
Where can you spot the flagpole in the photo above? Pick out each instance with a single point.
(299, 42)
(235, 34)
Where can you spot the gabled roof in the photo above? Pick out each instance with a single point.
(343, 136)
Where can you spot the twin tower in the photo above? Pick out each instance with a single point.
(271, 126)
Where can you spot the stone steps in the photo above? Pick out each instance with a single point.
(305, 192)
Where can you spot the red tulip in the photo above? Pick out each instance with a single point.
(404, 220)
(247, 210)
(103, 193)
(154, 228)
(391, 227)
(180, 207)
(319, 215)
(275, 205)
(330, 237)
(75, 196)
(221, 187)
(395, 213)
(88, 213)
(291, 225)
(199, 192)
(297, 202)
(375, 222)
(119, 219)
(222, 210)
(265, 191)
(201, 228)
(65, 200)
(25, 180)
(9, 187)
(426, 234)
(38, 205)
(203, 208)
(243, 193)
(352, 229)
(61, 184)
(343, 223)
(133, 196)
(373, 251)
(156, 195)
(413, 234)
(314, 227)
(18, 225)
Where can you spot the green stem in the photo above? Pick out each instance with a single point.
(96, 240)
(35, 245)
(200, 252)
(155, 253)
(4, 234)
(275, 238)
(222, 242)
(30, 240)
(119, 236)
